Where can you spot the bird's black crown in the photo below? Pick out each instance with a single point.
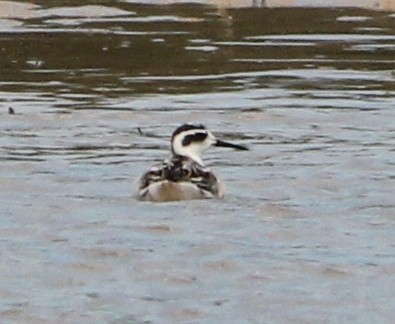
(187, 127)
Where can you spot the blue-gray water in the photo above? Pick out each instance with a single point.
(306, 232)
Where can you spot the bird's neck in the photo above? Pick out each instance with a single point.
(189, 158)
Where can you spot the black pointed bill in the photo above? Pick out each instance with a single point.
(227, 144)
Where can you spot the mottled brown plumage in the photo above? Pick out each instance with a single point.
(184, 176)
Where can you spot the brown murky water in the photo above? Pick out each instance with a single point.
(306, 233)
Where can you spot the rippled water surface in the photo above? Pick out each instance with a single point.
(306, 232)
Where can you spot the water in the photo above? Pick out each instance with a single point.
(306, 231)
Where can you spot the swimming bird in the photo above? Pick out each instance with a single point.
(184, 175)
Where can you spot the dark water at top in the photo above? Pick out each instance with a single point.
(306, 231)
(137, 49)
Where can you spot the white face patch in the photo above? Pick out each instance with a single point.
(191, 143)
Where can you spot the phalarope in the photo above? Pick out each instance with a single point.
(184, 176)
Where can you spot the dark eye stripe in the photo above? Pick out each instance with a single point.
(197, 137)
